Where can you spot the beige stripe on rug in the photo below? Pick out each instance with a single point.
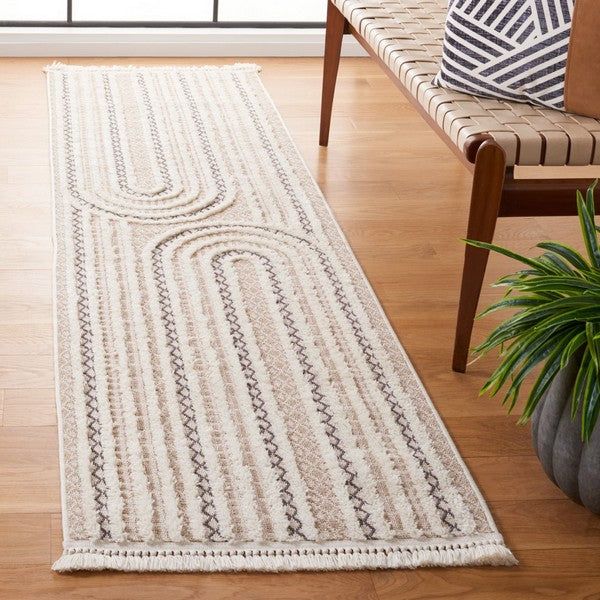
(231, 395)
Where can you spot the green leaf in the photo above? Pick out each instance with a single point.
(557, 285)
(589, 197)
(547, 374)
(511, 328)
(589, 417)
(527, 261)
(559, 264)
(517, 352)
(588, 228)
(567, 253)
(588, 392)
(590, 331)
(579, 384)
(533, 357)
(533, 318)
(511, 303)
(555, 304)
(574, 344)
(580, 314)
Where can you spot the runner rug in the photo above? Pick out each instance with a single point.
(231, 395)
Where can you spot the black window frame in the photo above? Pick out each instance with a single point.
(175, 24)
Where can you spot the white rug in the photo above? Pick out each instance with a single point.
(231, 395)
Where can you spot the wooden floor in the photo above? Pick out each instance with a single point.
(401, 198)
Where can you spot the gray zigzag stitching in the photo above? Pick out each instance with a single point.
(89, 376)
(446, 514)
(115, 138)
(268, 147)
(400, 419)
(177, 364)
(258, 404)
(184, 400)
(186, 409)
(432, 480)
(374, 364)
(213, 165)
(87, 355)
(69, 151)
(319, 399)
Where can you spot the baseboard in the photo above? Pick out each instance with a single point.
(72, 41)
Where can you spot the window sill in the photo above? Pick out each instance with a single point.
(84, 41)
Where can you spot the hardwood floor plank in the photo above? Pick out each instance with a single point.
(25, 338)
(24, 371)
(29, 252)
(546, 524)
(152, 586)
(489, 436)
(25, 541)
(512, 478)
(29, 408)
(26, 296)
(29, 478)
(483, 584)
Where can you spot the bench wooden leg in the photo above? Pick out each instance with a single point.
(336, 25)
(488, 181)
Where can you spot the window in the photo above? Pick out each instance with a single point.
(142, 10)
(272, 10)
(33, 10)
(163, 13)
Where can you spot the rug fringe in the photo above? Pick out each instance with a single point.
(493, 554)
(59, 66)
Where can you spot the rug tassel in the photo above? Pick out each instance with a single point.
(493, 554)
(59, 66)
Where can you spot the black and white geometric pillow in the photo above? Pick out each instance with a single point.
(510, 49)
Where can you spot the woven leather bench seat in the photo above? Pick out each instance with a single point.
(407, 36)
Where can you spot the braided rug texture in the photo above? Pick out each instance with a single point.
(230, 393)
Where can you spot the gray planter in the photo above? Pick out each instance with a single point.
(572, 465)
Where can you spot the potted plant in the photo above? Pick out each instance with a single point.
(555, 332)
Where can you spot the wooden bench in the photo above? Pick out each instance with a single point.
(490, 137)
